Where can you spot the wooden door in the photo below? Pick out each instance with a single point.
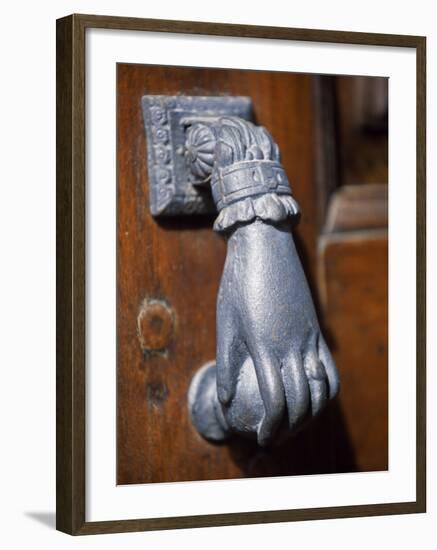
(168, 273)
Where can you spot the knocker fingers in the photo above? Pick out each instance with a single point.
(228, 356)
(317, 377)
(330, 368)
(296, 389)
(227, 373)
(271, 388)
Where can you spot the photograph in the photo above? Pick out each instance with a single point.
(251, 316)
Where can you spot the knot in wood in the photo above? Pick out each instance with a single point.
(155, 326)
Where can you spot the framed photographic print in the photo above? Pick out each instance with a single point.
(240, 274)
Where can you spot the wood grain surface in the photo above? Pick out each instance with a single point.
(355, 266)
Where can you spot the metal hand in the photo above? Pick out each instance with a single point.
(273, 367)
(272, 361)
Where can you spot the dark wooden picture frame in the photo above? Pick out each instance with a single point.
(71, 279)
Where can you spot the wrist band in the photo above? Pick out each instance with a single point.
(245, 179)
(270, 208)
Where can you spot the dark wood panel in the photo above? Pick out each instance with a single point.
(354, 269)
(362, 121)
(355, 207)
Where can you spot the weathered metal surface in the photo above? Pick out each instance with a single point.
(175, 185)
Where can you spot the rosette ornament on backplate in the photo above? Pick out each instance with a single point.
(199, 152)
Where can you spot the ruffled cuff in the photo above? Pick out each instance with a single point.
(269, 207)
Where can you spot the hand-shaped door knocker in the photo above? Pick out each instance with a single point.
(273, 369)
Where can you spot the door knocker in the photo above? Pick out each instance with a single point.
(273, 370)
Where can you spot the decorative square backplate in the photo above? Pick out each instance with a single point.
(171, 190)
